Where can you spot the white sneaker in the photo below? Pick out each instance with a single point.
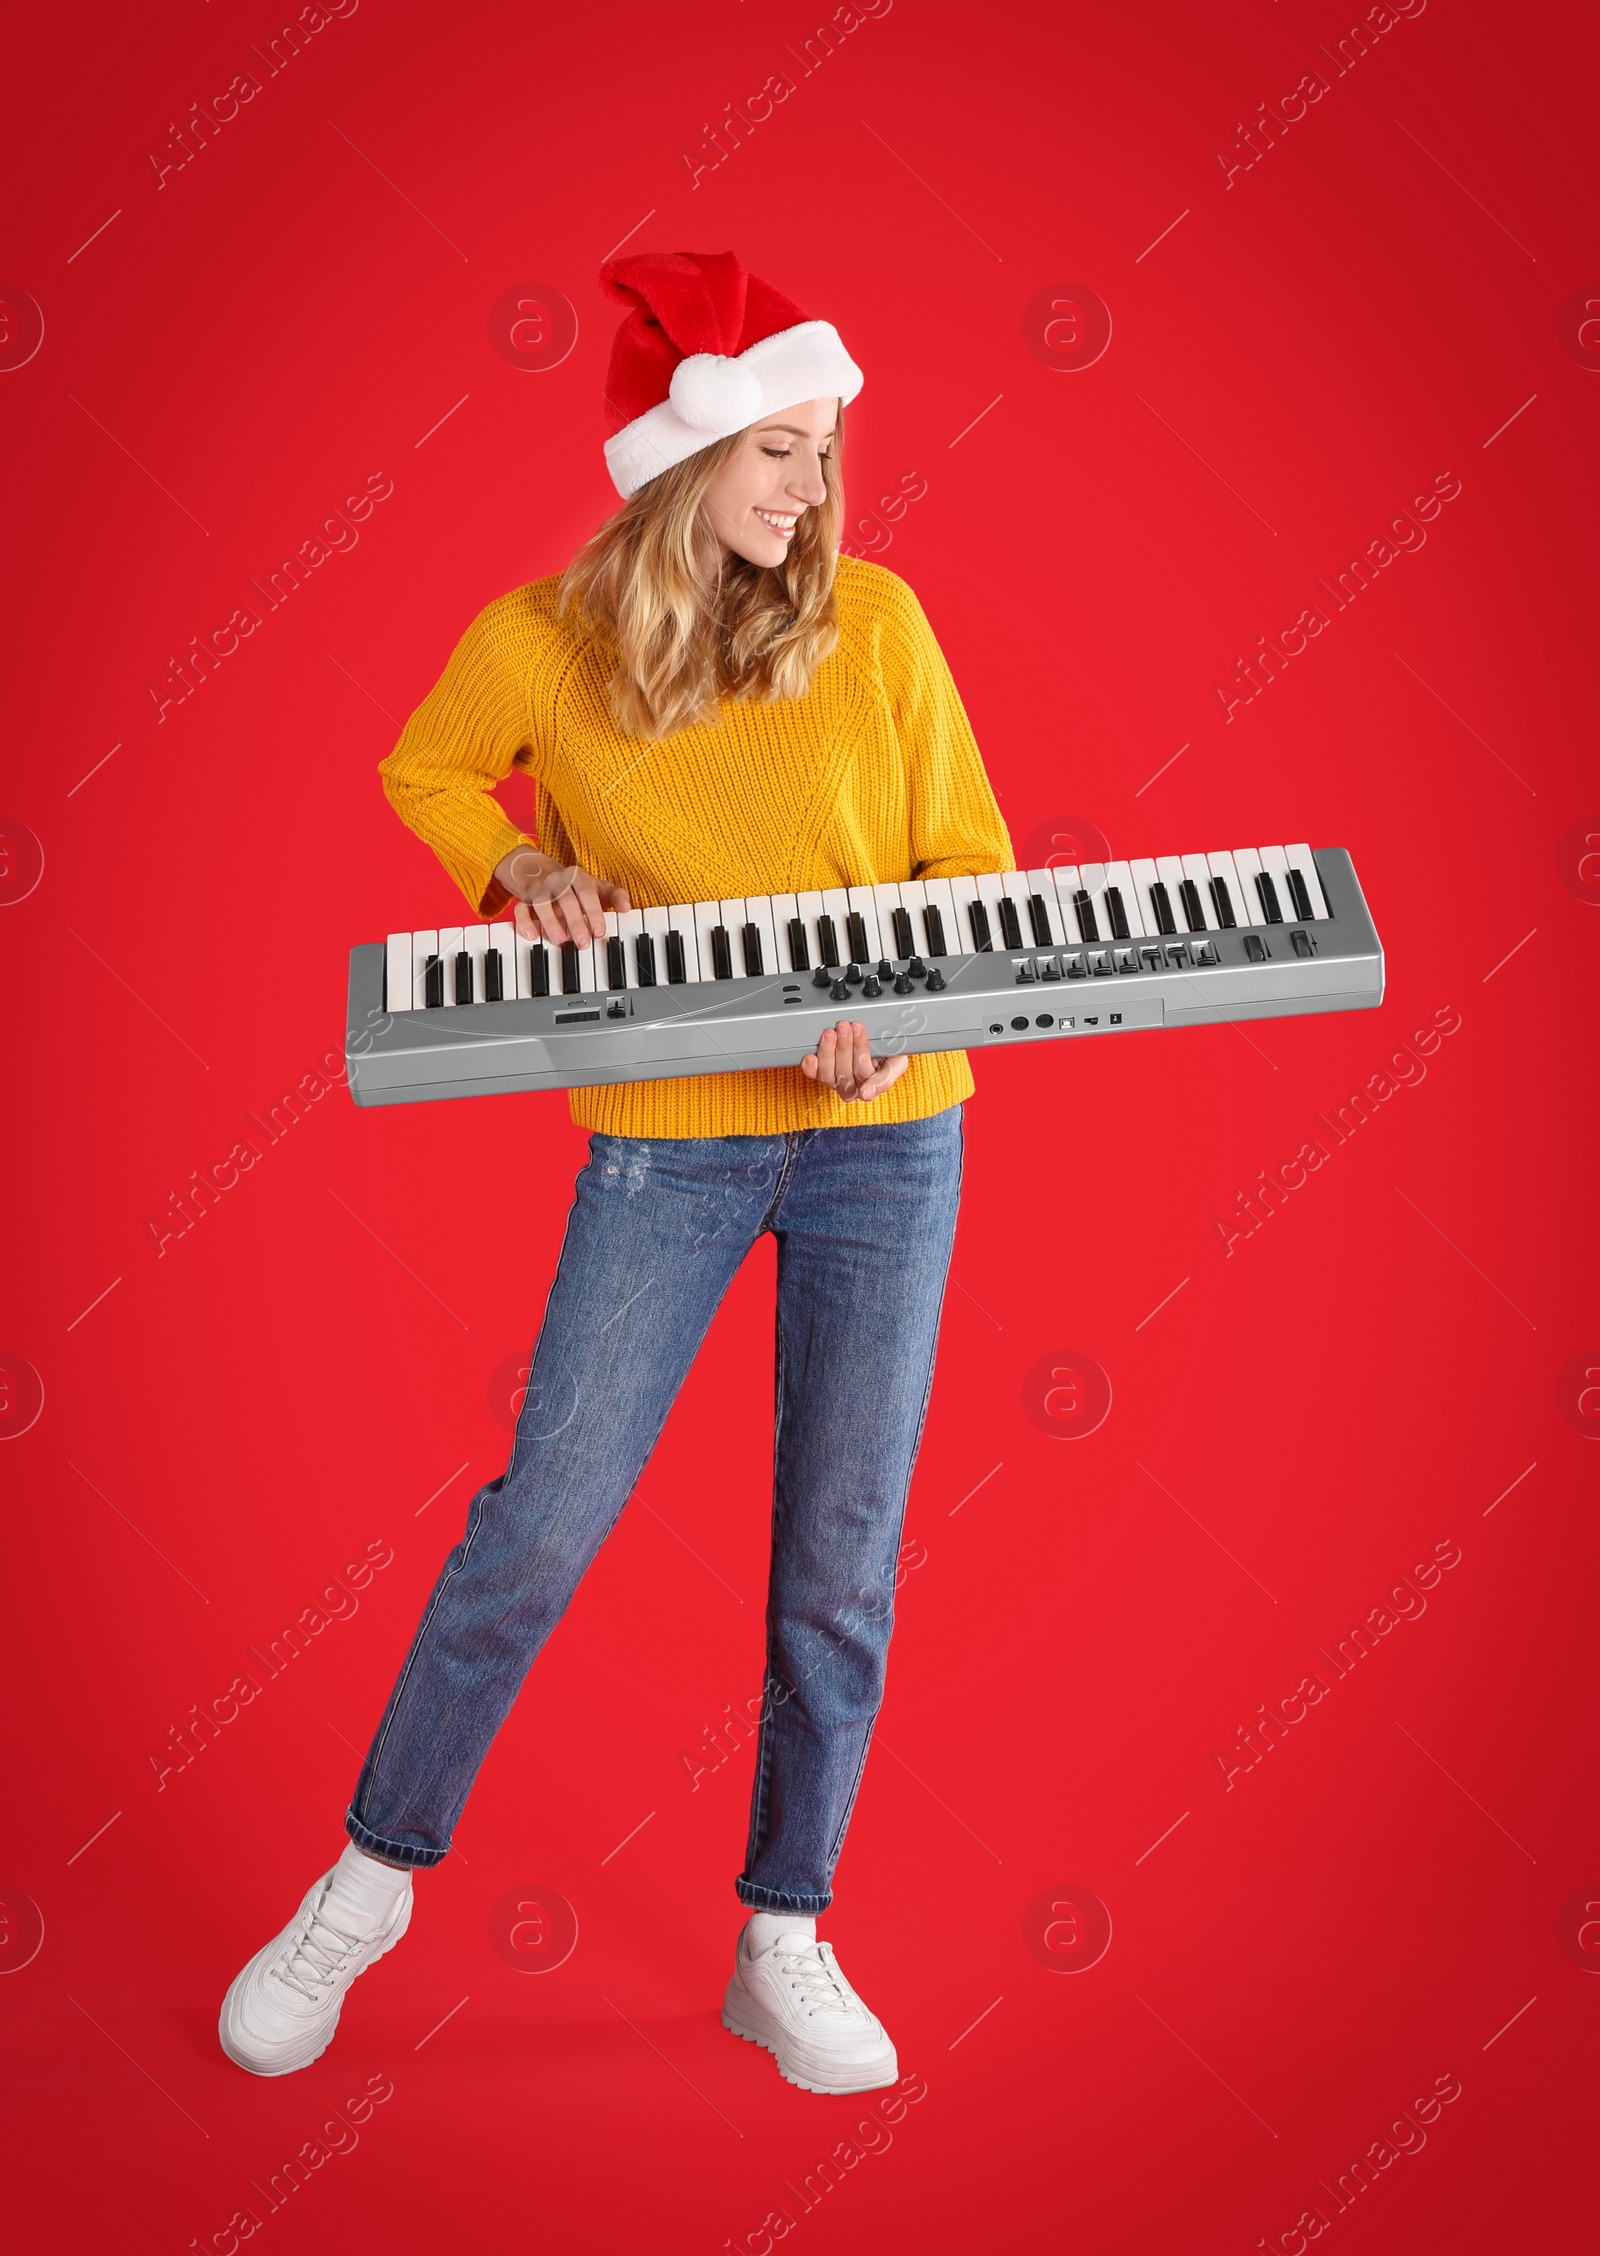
(283, 2008)
(794, 2000)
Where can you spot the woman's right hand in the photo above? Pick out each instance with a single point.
(556, 901)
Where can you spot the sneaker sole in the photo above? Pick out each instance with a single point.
(869, 2076)
(292, 2067)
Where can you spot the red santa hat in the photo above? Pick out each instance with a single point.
(706, 350)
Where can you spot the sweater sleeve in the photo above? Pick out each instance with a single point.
(957, 829)
(469, 731)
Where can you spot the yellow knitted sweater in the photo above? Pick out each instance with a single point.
(872, 777)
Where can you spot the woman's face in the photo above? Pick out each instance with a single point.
(774, 474)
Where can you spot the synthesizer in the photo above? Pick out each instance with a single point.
(1044, 955)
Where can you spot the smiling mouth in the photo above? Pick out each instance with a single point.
(783, 525)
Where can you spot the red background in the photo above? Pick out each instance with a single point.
(308, 1371)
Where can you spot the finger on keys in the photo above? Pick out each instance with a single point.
(589, 908)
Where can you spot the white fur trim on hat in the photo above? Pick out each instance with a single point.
(715, 394)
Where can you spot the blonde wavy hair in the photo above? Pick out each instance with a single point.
(688, 626)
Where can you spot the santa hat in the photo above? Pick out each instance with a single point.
(706, 349)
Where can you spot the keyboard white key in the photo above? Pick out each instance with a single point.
(1275, 864)
(451, 937)
(630, 930)
(1169, 872)
(524, 967)
(707, 916)
(964, 892)
(1120, 875)
(733, 917)
(758, 911)
(1069, 884)
(1092, 880)
(1145, 877)
(785, 907)
(477, 941)
(655, 925)
(1014, 887)
(886, 899)
(397, 972)
(1042, 885)
(863, 903)
(836, 912)
(1244, 912)
(1248, 863)
(501, 940)
(808, 907)
(991, 889)
(602, 953)
(1301, 858)
(941, 896)
(1198, 871)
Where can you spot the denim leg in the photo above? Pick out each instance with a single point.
(864, 1226)
(655, 1234)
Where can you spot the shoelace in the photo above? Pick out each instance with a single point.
(318, 1957)
(822, 1988)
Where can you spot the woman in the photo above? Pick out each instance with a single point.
(712, 703)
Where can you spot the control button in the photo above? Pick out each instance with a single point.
(1019, 1026)
(822, 977)
(1044, 1019)
(935, 981)
(839, 991)
(886, 969)
(1255, 947)
(1206, 953)
(1074, 967)
(853, 974)
(1100, 964)
(902, 985)
(995, 1027)
(1178, 957)
(916, 968)
(1152, 957)
(1127, 959)
(1050, 967)
(1302, 943)
(616, 1010)
(872, 984)
(1025, 972)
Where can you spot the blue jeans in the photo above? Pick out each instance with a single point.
(864, 1218)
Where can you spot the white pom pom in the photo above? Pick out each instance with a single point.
(712, 392)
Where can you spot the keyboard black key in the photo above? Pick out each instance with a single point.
(463, 977)
(539, 969)
(1083, 910)
(1116, 912)
(644, 959)
(677, 967)
(1300, 894)
(433, 983)
(978, 918)
(905, 940)
(1271, 913)
(856, 926)
(1039, 918)
(616, 963)
(1222, 903)
(494, 976)
(799, 948)
(750, 941)
(1194, 916)
(571, 983)
(1161, 902)
(933, 930)
(1010, 922)
(721, 953)
(827, 941)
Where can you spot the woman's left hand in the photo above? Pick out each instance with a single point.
(845, 1064)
